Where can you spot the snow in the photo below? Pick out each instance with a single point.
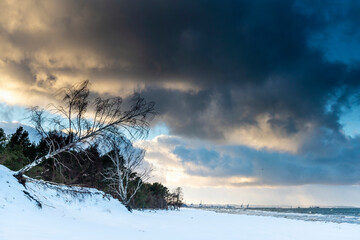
(83, 213)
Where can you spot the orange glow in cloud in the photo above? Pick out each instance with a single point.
(7, 96)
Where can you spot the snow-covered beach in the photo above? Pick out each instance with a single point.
(88, 214)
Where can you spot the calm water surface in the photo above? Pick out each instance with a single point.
(337, 215)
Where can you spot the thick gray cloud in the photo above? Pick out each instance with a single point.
(242, 58)
(253, 70)
(334, 163)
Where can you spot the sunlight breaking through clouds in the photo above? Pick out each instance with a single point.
(251, 94)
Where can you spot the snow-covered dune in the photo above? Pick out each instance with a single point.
(82, 213)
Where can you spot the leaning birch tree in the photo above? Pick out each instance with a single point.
(128, 171)
(84, 121)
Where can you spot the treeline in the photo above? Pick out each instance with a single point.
(86, 169)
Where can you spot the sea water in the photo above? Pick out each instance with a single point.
(336, 215)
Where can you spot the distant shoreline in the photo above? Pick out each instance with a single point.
(320, 214)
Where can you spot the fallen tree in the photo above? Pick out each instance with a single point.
(84, 122)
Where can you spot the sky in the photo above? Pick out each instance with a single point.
(257, 101)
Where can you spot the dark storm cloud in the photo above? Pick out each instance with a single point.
(335, 163)
(247, 57)
(213, 164)
(211, 66)
(243, 58)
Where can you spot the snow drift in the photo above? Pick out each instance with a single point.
(40, 210)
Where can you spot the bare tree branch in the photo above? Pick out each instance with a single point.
(107, 117)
